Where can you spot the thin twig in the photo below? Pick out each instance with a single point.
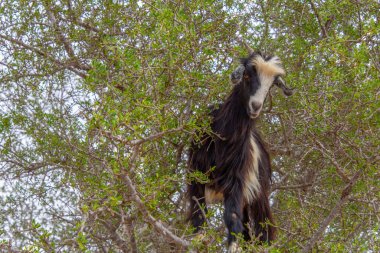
(157, 224)
(66, 43)
(201, 208)
(333, 213)
(330, 156)
(143, 140)
(69, 65)
(324, 32)
(290, 187)
(75, 20)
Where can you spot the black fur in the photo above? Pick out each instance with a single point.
(224, 156)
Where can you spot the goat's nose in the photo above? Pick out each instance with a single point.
(255, 106)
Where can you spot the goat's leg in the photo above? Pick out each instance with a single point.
(233, 214)
(198, 209)
(264, 223)
(247, 223)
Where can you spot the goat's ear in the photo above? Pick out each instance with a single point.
(237, 75)
(281, 84)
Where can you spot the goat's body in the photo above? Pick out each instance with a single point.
(238, 168)
(234, 156)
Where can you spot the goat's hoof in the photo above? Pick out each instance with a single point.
(234, 248)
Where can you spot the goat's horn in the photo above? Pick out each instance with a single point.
(281, 83)
(250, 50)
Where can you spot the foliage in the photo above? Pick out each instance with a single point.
(99, 100)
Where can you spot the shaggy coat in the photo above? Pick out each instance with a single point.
(234, 157)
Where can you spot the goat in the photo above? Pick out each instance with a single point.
(234, 156)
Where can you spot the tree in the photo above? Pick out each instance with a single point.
(99, 101)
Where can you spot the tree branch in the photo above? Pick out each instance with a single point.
(129, 226)
(330, 156)
(290, 187)
(323, 30)
(66, 43)
(141, 141)
(121, 244)
(69, 65)
(333, 213)
(157, 224)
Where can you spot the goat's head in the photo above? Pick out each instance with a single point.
(255, 76)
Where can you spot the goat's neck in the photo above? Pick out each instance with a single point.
(232, 121)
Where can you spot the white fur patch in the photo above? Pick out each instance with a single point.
(251, 188)
(267, 71)
(251, 179)
(271, 67)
